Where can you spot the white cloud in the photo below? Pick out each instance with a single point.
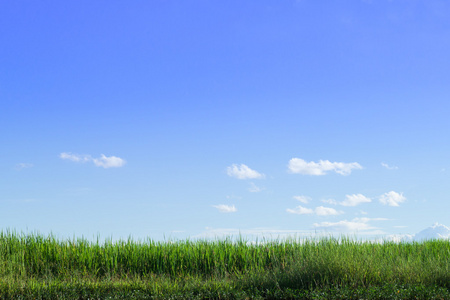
(23, 166)
(243, 172)
(103, 161)
(389, 167)
(109, 162)
(254, 188)
(300, 166)
(302, 199)
(327, 211)
(300, 210)
(355, 199)
(225, 208)
(392, 198)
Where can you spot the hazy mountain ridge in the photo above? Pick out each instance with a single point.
(436, 231)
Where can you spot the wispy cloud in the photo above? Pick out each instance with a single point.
(392, 198)
(389, 167)
(320, 211)
(357, 224)
(330, 201)
(343, 225)
(234, 197)
(103, 161)
(225, 208)
(300, 166)
(254, 188)
(75, 157)
(243, 172)
(302, 199)
(354, 200)
(24, 200)
(22, 166)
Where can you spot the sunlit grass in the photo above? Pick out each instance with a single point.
(37, 266)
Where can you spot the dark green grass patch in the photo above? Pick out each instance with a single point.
(34, 266)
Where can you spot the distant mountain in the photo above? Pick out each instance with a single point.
(437, 231)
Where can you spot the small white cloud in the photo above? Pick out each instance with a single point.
(300, 166)
(243, 172)
(225, 208)
(302, 199)
(109, 162)
(389, 167)
(103, 161)
(254, 188)
(392, 198)
(22, 166)
(327, 211)
(300, 210)
(355, 199)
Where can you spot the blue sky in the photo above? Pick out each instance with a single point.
(201, 118)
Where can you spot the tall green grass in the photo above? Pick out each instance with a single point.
(33, 262)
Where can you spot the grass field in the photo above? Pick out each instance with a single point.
(34, 266)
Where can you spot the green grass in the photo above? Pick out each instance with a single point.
(34, 266)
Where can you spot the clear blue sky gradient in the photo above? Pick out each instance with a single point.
(182, 90)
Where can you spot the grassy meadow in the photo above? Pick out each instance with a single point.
(34, 266)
